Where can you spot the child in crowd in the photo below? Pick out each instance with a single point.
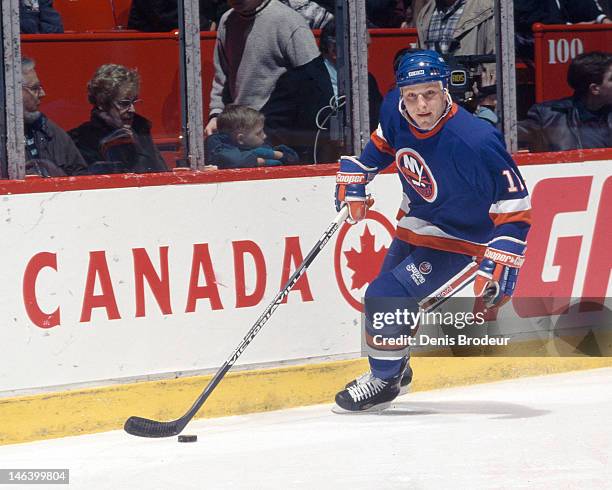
(240, 142)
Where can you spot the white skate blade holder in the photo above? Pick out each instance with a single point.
(372, 410)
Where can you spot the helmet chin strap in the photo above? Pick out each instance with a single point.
(404, 112)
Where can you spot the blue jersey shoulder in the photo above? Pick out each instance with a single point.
(390, 102)
(472, 130)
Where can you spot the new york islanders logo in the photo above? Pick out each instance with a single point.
(416, 172)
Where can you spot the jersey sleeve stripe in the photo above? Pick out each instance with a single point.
(511, 205)
(507, 238)
(381, 144)
(519, 216)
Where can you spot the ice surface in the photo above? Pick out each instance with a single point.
(549, 432)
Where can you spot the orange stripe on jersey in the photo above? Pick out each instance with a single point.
(400, 214)
(428, 134)
(381, 144)
(440, 243)
(518, 216)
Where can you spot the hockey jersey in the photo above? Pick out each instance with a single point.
(461, 188)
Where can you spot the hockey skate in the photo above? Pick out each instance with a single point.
(405, 380)
(370, 395)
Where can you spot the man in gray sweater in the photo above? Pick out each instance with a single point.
(49, 150)
(266, 58)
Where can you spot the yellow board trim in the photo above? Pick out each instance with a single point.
(86, 411)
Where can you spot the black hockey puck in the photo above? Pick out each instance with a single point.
(186, 438)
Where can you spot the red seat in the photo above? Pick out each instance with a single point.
(555, 48)
(86, 15)
(171, 156)
(385, 43)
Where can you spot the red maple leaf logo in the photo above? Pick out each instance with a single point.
(366, 263)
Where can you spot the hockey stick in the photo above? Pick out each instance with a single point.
(142, 427)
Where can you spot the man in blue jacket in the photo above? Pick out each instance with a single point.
(39, 17)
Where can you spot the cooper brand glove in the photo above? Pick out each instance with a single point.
(351, 182)
(496, 278)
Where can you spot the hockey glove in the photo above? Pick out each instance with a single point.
(351, 182)
(496, 278)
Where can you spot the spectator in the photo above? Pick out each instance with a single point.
(459, 27)
(316, 15)
(379, 13)
(240, 141)
(327, 45)
(116, 139)
(385, 13)
(39, 17)
(266, 58)
(162, 15)
(528, 12)
(413, 7)
(213, 10)
(486, 104)
(49, 150)
(578, 122)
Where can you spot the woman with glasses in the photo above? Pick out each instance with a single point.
(116, 139)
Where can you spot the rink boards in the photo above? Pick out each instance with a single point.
(106, 288)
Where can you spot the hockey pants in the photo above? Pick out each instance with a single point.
(411, 278)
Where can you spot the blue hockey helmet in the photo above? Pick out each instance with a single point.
(422, 67)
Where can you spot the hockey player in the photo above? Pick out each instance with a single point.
(463, 219)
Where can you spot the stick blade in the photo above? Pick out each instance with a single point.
(141, 427)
